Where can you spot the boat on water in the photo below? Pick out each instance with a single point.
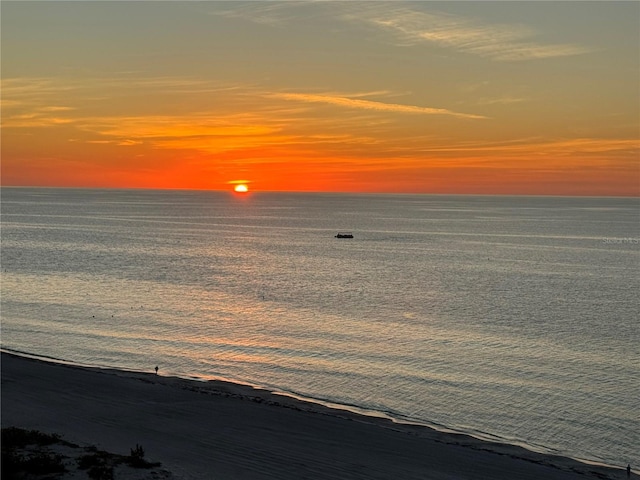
(344, 235)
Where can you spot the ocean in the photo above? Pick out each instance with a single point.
(514, 319)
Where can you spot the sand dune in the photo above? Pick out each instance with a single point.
(219, 430)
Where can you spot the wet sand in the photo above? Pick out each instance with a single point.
(226, 431)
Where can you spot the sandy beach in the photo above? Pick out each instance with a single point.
(220, 430)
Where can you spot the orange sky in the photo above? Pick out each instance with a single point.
(416, 97)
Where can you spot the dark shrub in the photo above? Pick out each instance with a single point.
(136, 459)
(43, 463)
(93, 460)
(16, 465)
(101, 472)
(13, 437)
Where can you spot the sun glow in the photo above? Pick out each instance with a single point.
(241, 188)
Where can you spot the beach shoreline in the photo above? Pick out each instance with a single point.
(218, 429)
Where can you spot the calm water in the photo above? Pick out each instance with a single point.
(515, 318)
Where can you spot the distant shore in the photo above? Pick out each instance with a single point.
(221, 430)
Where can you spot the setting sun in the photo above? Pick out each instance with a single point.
(242, 188)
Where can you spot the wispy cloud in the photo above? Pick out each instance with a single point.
(502, 42)
(411, 26)
(245, 116)
(210, 133)
(24, 91)
(39, 117)
(533, 148)
(274, 13)
(175, 126)
(358, 103)
(504, 100)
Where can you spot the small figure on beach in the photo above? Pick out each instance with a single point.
(156, 369)
(628, 470)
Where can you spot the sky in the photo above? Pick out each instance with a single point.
(525, 98)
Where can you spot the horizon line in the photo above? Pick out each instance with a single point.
(329, 192)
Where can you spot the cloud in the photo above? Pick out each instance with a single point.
(499, 42)
(370, 105)
(271, 13)
(533, 148)
(411, 26)
(209, 133)
(159, 126)
(34, 120)
(56, 108)
(245, 117)
(36, 91)
(504, 100)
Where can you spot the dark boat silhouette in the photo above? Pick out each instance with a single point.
(344, 235)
